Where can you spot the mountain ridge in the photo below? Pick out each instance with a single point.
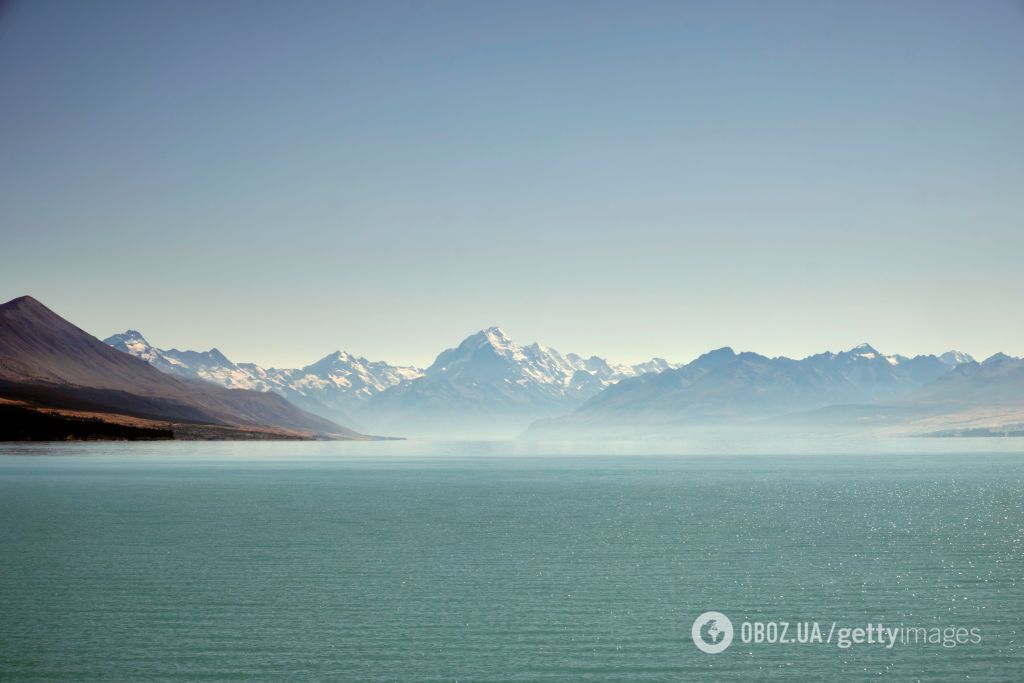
(723, 387)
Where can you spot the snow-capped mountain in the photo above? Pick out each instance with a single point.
(342, 382)
(490, 379)
(955, 358)
(490, 355)
(211, 365)
(873, 376)
(333, 387)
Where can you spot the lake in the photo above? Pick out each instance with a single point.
(505, 561)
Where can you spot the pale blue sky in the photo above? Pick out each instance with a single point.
(628, 179)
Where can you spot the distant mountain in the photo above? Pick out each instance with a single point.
(954, 358)
(872, 376)
(47, 361)
(489, 385)
(999, 379)
(343, 383)
(211, 365)
(335, 386)
(723, 387)
(972, 399)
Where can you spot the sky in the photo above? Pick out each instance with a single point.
(627, 179)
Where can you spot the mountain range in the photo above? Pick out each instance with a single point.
(489, 386)
(334, 386)
(486, 386)
(859, 388)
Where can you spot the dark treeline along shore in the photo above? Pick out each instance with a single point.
(22, 423)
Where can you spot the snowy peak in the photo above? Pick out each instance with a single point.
(496, 340)
(207, 360)
(492, 355)
(128, 336)
(496, 336)
(653, 365)
(129, 339)
(858, 354)
(132, 342)
(330, 362)
(491, 336)
(864, 350)
(955, 358)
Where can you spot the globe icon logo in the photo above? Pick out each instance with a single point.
(712, 632)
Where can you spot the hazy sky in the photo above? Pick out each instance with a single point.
(629, 179)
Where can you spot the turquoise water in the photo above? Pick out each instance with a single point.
(417, 562)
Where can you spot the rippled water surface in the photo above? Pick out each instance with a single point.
(494, 562)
